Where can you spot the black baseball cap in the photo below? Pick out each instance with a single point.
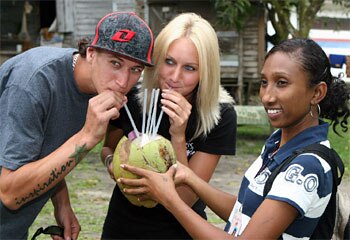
(126, 34)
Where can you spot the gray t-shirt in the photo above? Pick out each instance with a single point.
(41, 107)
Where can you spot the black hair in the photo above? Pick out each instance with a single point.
(314, 61)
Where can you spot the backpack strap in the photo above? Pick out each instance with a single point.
(329, 155)
(332, 158)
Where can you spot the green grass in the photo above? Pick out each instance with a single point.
(250, 139)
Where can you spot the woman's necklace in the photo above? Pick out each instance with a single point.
(75, 58)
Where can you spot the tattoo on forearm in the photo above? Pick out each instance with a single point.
(77, 156)
(54, 175)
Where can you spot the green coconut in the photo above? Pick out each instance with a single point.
(156, 154)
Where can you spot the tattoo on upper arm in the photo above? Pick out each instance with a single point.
(77, 156)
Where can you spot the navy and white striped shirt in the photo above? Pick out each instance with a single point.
(306, 184)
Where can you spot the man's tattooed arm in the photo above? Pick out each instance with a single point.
(77, 156)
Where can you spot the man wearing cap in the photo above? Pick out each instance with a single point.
(55, 106)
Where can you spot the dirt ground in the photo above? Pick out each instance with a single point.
(91, 187)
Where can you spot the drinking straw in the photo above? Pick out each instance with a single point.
(150, 113)
(154, 113)
(144, 111)
(158, 122)
(131, 120)
(159, 119)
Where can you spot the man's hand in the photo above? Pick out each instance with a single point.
(102, 108)
(64, 214)
(66, 218)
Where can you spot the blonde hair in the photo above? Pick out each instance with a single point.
(210, 93)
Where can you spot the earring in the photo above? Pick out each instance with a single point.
(318, 111)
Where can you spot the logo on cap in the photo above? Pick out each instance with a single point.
(123, 35)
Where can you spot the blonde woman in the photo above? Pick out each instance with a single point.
(199, 120)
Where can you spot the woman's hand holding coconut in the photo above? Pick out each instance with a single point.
(159, 187)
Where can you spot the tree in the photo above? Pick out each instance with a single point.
(279, 13)
(235, 13)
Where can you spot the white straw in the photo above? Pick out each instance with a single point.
(144, 111)
(150, 113)
(158, 122)
(131, 120)
(154, 113)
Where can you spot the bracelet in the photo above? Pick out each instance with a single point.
(108, 160)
